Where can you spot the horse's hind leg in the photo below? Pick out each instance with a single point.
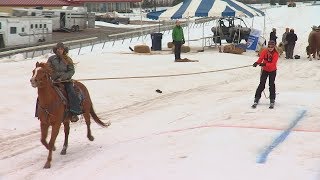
(66, 127)
(86, 116)
(54, 134)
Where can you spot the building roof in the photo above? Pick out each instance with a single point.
(54, 2)
(88, 1)
(34, 3)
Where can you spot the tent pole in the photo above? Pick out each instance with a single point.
(203, 36)
(264, 24)
(239, 34)
(141, 22)
(252, 22)
(188, 21)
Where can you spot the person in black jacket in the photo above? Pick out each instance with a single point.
(291, 39)
(273, 36)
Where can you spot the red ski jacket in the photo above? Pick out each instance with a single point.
(270, 59)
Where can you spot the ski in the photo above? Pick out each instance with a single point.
(254, 105)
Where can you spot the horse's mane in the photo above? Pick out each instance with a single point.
(46, 67)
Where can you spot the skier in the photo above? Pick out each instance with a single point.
(268, 61)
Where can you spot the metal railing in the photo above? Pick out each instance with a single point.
(31, 52)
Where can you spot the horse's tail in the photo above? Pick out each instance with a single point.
(97, 119)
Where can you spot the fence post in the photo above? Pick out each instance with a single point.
(103, 44)
(92, 45)
(80, 48)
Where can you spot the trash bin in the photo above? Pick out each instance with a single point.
(156, 39)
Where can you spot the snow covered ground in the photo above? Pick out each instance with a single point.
(199, 127)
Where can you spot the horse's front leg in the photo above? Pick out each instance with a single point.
(54, 134)
(86, 116)
(66, 127)
(44, 134)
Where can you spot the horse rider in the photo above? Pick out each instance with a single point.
(63, 70)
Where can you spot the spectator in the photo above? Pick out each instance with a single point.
(273, 36)
(284, 41)
(178, 40)
(291, 38)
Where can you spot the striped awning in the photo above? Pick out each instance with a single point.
(56, 2)
(206, 8)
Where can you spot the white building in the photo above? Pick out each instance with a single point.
(16, 31)
(67, 18)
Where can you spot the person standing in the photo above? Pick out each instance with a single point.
(273, 36)
(291, 39)
(268, 61)
(284, 40)
(178, 40)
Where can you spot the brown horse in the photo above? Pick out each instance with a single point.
(52, 109)
(314, 44)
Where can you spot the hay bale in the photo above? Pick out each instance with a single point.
(237, 50)
(185, 49)
(242, 46)
(231, 48)
(170, 44)
(227, 48)
(142, 49)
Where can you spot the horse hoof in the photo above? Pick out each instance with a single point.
(47, 166)
(63, 152)
(53, 148)
(91, 138)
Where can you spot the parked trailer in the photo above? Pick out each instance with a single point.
(16, 31)
(68, 18)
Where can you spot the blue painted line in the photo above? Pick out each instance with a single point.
(262, 157)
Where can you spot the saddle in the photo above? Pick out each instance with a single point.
(60, 89)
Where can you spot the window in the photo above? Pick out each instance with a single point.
(13, 30)
(22, 29)
(45, 26)
(40, 25)
(0, 25)
(36, 26)
(31, 26)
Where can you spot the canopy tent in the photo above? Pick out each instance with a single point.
(206, 8)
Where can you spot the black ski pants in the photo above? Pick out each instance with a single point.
(177, 49)
(272, 86)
